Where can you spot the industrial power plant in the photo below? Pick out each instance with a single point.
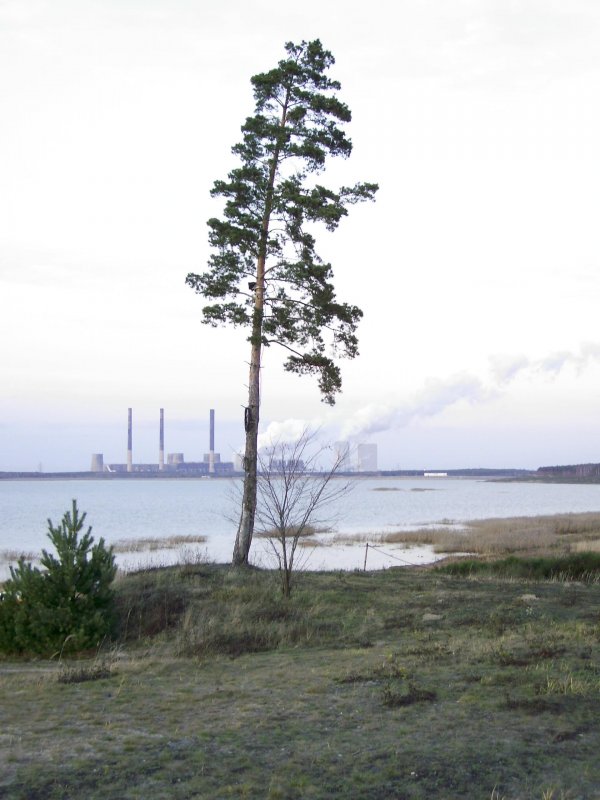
(211, 465)
(361, 459)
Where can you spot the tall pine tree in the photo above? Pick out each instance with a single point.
(264, 272)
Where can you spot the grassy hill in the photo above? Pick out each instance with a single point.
(395, 684)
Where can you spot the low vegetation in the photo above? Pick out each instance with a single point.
(404, 683)
(153, 543)
(574, 567)
(552, 534)
(67, 605)
(292, 495)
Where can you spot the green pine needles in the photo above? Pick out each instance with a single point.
(264, 272)
(68, 605)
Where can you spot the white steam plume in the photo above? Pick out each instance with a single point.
(504, 369)
(433, 398)
(289, 430)
(437, 395)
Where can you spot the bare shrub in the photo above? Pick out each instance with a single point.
(291, 496)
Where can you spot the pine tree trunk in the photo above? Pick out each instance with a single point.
(246, 526)
(243, 539)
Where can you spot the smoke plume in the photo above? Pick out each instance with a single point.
(437, 395)
(285, 432)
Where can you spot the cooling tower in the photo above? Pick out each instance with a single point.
(97, 462)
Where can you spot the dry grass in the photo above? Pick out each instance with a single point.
(559, 533)
(588, 546)
(151, 543)
(390, 684)
(311, 543)
(307, 532)
(15, 555)
(398, 489)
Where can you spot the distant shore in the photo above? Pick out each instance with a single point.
(432, 474)
(573, 474)
(535, 478)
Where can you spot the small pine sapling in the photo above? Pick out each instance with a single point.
(67, 605)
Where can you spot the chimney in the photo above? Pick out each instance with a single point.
(211, 448)
(129, 441)
(161, 442)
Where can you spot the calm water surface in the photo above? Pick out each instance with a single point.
(132, 509)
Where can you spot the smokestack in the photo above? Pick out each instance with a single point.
(129, 442)
(211, 448)
(161, 442)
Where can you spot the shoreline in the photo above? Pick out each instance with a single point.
(156, 474)
(489, 475)
(413, 547)
(309, 558)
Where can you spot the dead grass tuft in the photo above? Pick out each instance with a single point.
(84, 673)
(152, 543)
(306, 533)
(15, 555)
(560, 533)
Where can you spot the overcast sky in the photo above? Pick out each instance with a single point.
(476, 269)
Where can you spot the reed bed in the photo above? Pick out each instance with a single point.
(15, 555)
(140, 545)
(307, 532)
(152, 543)
(558, 533)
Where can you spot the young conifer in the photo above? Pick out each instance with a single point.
(68, 604)
(264, 272)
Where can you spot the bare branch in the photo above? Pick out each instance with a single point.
(292, 495)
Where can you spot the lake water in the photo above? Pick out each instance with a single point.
(132, 509)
